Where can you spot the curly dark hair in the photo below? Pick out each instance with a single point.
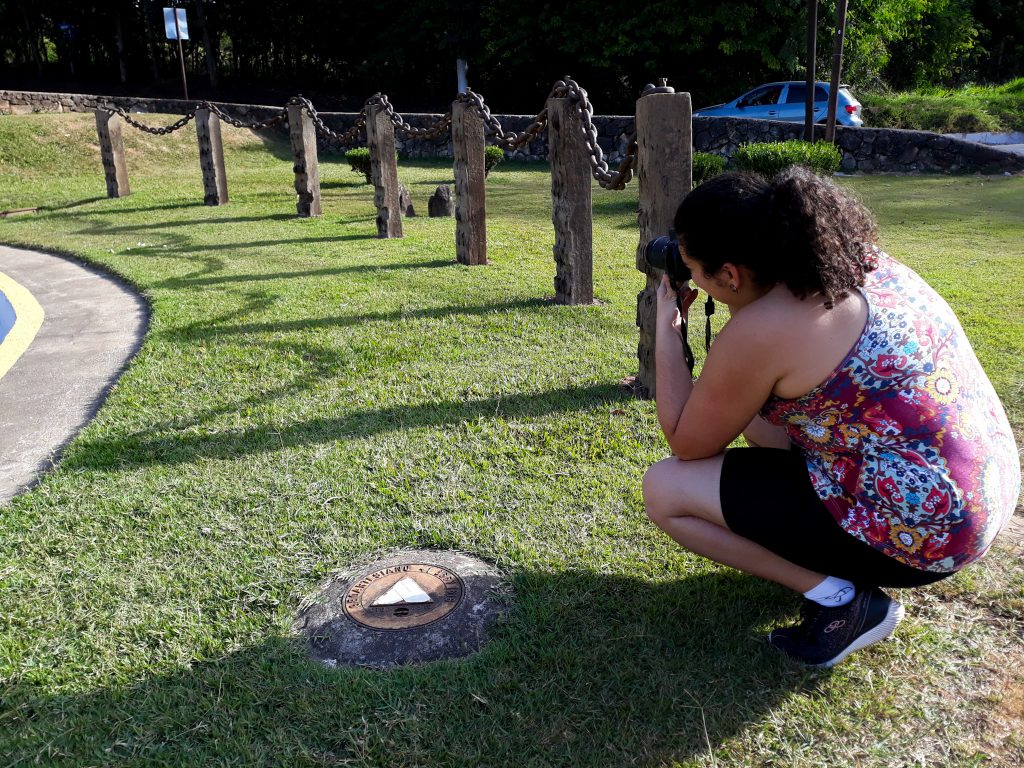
(798, 229)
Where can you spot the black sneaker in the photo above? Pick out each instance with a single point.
(826, 636)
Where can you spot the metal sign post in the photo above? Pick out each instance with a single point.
(176, 28)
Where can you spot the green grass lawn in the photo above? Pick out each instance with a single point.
(309, 396)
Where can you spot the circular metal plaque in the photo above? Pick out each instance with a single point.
(410, 607)
(404, 596)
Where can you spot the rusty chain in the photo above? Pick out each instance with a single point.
(568, 88)
(281, 116)
(438, 129)
(509, 140)
(343, 138)
(146, 128)
(163, 131)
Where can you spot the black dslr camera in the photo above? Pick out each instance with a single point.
(663, 253)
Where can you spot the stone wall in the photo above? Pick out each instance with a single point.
(867, 150)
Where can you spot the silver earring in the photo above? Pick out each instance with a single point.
(732, 287)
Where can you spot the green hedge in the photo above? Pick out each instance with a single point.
(705, 166)
(769, 158)
(492, 156)
(359, 159)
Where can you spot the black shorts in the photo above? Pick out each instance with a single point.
(767, 497)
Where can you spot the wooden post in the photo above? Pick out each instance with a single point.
(211, 158)
(380, 136)
(570, 205)
(307, 167)
(665, 174)
(108, 128)
(470, 205)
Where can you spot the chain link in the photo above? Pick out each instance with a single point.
(281, 116)
(509, 140)
(437, 130)
(344, 138)
(569, 89)
(146, 128)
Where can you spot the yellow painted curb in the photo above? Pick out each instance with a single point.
(28, 317)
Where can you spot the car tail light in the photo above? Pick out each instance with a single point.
(850, 109)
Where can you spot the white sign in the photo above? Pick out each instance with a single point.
(182, 30)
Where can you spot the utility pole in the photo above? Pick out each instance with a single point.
(812, 47)
(837, 64)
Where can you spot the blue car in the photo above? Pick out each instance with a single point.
(785, 102)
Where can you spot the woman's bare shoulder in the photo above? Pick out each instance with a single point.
(770, 315)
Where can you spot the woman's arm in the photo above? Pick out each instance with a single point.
(699, 419)
(673, 381)
(760, 434)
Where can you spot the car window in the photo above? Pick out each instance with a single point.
(763, 96)
(798, 93)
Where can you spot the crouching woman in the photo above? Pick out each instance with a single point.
(880, 455)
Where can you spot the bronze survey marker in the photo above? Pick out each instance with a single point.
(411, 607)
(404, 596)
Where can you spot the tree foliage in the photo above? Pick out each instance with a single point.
(341, 53)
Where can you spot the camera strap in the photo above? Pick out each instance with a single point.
(709, 310)
(685, 335)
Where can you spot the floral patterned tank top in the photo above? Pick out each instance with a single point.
(906, 442)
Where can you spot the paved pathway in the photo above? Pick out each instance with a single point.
(93, 325)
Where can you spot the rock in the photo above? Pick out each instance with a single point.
(441, 203)
(405, 202)
(908, 155)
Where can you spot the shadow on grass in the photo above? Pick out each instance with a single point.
(586, 670)
(194, 222)
(617, 206)
(124, 209)
(186, 446)
(73, 204)
(198, 249)
(339, 184)
(276, 142)
(211, 328)
(188, 282)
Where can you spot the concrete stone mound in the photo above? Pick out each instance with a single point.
(441, 202)
(412, 607)
(405, 202)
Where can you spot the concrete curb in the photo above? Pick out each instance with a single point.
(92, 328)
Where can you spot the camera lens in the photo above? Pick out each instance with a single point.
(657, 251)
(663, 253)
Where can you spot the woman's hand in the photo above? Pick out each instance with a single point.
(668, 312)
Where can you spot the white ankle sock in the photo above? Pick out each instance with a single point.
(832, 592)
